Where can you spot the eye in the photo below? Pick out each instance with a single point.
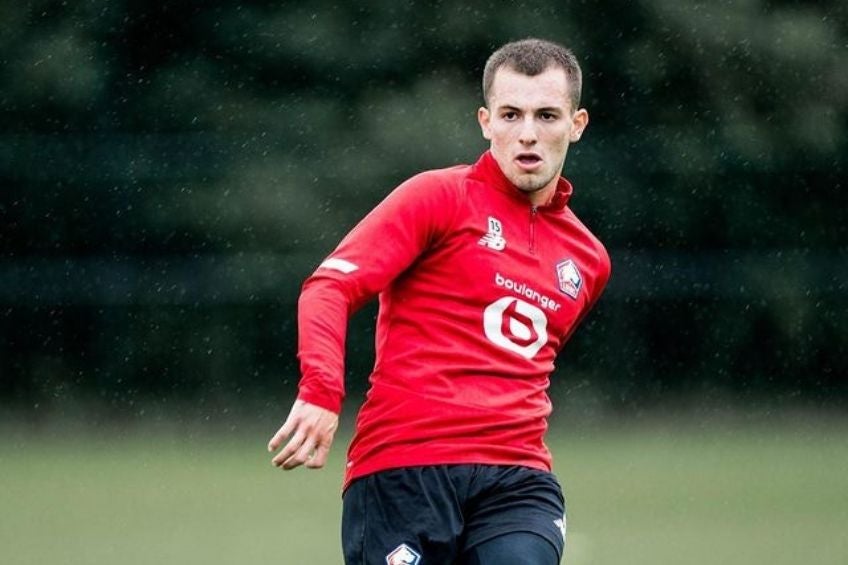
(509, 115)
(548, 116)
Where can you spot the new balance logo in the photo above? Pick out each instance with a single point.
(494, 238)
(560, 524)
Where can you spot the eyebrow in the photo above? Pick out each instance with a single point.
(517, 109)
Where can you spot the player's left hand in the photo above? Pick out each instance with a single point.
(311, 429)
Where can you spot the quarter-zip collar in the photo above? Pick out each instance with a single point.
(487, 169)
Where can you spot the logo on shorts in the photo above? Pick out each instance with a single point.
(569, 278)
(560, 524)
(494, 238)
(403, 555)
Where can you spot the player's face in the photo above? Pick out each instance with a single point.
(530, 123)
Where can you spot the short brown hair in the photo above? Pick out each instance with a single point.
(532, 57)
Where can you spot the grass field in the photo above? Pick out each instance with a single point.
(653, 493)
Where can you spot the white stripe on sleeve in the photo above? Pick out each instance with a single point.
(341, 265)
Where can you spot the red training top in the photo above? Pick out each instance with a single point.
(478, 292)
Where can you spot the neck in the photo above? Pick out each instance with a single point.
(543, 195)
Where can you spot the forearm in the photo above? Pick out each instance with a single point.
(323, 312)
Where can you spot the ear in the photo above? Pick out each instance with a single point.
(579, 121)
(484, 119)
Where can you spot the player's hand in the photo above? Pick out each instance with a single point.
(310, 430)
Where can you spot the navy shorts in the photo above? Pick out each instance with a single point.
(439, 514)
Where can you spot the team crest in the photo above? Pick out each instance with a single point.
(569, 279)
(403, 555)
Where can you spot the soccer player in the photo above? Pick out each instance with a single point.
(482, 272)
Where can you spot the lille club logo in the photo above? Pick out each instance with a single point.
(569, 279)
(403, 555)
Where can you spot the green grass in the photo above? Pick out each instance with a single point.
(650, 494)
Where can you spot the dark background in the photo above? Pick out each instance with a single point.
(170, 173)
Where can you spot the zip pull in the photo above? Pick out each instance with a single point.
(533, 213)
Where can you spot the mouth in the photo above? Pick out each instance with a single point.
(528, 161)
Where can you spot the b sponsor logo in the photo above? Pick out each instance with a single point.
(494, 238)
(569, 278)
(403, 555)
(516, 326)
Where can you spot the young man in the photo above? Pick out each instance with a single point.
(483, 273)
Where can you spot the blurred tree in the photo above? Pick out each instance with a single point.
(140, 143)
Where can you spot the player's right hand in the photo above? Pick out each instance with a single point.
(310, 430)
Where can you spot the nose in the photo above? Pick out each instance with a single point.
(527, 135)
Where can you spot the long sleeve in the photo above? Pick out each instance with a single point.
(384, 244)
